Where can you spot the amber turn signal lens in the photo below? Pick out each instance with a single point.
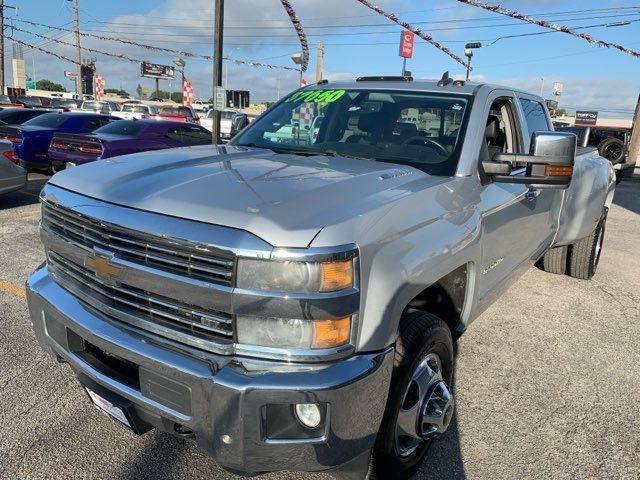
(336, 275)
(331, 333)
(555, 171)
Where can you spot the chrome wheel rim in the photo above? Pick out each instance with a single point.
(599, 245)
(426, 408)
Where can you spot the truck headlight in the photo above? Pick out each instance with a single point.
(295, 276)
(293, 333)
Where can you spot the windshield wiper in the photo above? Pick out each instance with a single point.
(335, 153)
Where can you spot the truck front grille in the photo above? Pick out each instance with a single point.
(172, 255)
(164, 316)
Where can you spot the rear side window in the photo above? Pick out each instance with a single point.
(96, 122)
(190, 135)
(535, 115)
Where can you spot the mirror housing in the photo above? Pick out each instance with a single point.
(549, 165)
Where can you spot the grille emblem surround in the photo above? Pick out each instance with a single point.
(101, 265)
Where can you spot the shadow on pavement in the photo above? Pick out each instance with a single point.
(628, 196)
(159, 460)
(28, 195)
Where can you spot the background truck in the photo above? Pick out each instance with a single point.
(292, 305)
(612, 143)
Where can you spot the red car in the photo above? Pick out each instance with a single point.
(178, 114)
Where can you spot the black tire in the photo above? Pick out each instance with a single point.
(420, 334)
(612, 149)
(584, 254)
(555, 260)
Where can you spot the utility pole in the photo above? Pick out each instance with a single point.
(634, 143)
(76, 34)
(218, 27)
(319, 56)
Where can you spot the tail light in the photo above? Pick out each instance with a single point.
(91, 149)
(11, 156)
(12, 138)
(56, 144)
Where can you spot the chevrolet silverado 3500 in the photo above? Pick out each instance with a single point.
(292, 305)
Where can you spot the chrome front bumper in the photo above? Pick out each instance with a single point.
(221, 397)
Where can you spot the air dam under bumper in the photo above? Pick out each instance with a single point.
(220, 397)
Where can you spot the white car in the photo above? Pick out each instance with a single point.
(225, 122)
(96, 106)
(137, 111)
(201, 105)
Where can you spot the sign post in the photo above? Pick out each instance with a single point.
(406, 48)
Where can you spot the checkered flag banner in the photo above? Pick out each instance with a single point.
(98, 83)
(187, 92)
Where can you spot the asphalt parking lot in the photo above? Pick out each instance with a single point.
(547, 381)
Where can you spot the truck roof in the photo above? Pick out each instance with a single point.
(467, 88)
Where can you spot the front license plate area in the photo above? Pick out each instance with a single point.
(108, 408)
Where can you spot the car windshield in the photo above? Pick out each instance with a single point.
(421, 129)
(93, 105)
(179, 111)
(63, 102)
(47, 120)
(135, 108)
(31, 101)
(125, 128)
(5, 99)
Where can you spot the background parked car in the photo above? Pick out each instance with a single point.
(17, 116)
(5, 101)
(225, 122)
(27, 101)
(64, 104)
(139, 111)
(12, 176)
(96, 106)
(31, 139)
(178, 114)
(121, 138)
(201, 105)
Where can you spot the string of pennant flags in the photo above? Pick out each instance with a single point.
(300, 32)
(144, 46)
(542, 23)
(427, 38)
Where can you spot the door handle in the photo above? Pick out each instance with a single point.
(532, 193)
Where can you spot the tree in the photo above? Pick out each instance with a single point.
(48, 85)
(176, 97)
(561, 112)
(117, 91)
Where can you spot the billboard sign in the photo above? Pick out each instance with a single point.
(406, 44)
(586, 118)
(153, 70)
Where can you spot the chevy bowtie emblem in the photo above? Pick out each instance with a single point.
(101, 265)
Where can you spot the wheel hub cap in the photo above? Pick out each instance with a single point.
(427, 406)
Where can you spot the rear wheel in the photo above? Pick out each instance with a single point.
(420, 403)
(612, 149)
(555, 260)
(585, 253)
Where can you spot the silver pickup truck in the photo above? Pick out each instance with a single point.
(292, 305)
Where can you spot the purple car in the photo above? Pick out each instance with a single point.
(123, 137)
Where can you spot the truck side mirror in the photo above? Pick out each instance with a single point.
(549, 165)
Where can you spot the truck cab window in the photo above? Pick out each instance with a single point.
(501, 133)
(535, 116)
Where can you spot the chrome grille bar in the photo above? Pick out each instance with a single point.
(215, 326)
(197, 261)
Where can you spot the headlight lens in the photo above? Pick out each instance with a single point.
(293, 276)
(293, 333)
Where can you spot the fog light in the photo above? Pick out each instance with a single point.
(308, 414)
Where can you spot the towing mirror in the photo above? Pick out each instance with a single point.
(549, 165)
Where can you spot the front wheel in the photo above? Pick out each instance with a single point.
(420, 404)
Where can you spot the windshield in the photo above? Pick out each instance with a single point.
(135, 108)
(47, 120)
(126, 128)
(424, 130)
(93, 105)
(177, 111)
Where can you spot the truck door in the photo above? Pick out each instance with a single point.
(517, 221)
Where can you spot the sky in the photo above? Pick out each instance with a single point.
(356, 40)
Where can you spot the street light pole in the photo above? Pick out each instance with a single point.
(76, 34)
(217, 66)
(468, 51)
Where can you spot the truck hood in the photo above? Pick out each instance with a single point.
(284, 199)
